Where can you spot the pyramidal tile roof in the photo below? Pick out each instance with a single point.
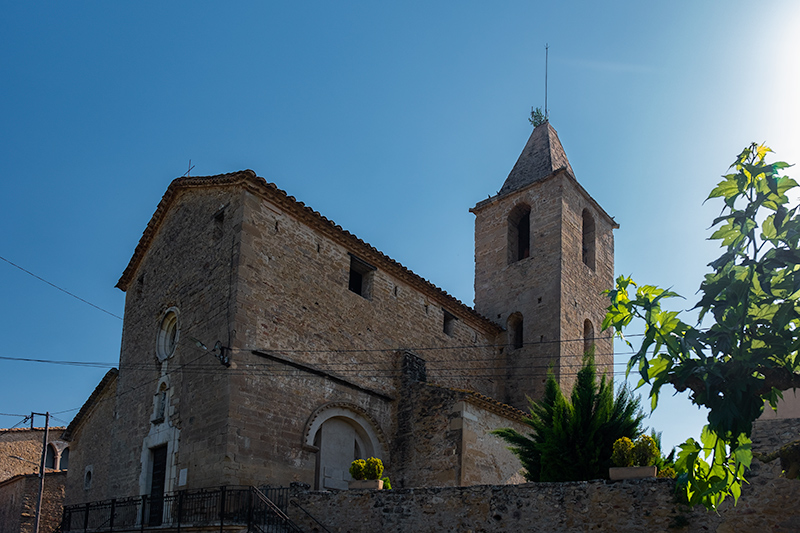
(542, 155)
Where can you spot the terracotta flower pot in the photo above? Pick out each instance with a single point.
(631, 472)
(366, 484)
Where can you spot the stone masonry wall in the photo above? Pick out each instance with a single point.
(443, 440)
(272, 406)
(189, 265)
(18, 497)
(553, 289)
(485, 458)
(91, 452)
(581, 286)
(770, 435)
(294, 299)
(25, 443)
(621, 507)
(530, 286)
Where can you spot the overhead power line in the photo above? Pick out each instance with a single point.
(65, 291)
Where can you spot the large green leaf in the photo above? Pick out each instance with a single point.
(752, 296)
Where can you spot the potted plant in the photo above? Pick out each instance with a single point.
(366, 474)
(634, 460)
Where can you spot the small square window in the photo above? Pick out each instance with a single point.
(448, 323)
(361, 275)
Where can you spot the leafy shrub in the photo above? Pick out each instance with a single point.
(357, 469)
(645, 451)
(373, 468)
(572, 439)
(667, 472)
(623, 452)
(387, 485)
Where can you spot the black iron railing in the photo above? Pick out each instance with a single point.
(261, 510)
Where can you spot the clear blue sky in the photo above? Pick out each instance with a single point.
(390, 118)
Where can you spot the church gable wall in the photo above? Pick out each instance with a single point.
(187, 268)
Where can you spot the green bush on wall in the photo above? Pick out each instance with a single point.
(643, 452)
(357, 469)
(622, 454)
(373, 468)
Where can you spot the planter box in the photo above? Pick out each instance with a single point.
(631, 472)
(366, 484)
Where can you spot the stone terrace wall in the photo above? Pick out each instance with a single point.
(768, 504)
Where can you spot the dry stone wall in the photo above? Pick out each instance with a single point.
(767, 504)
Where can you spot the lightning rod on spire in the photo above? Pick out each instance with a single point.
(546, 54)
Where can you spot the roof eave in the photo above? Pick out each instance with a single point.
(270, 192)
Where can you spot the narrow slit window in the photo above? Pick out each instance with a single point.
(519, 233)
(515, 331)
(588, 241)
(219, 224)
(588, 337)
(448, 323)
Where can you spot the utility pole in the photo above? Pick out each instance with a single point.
(41, 468)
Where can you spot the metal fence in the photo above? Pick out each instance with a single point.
(187, 508)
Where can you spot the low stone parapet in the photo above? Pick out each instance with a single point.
(633, 506)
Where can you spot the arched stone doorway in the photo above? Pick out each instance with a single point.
(340, 433)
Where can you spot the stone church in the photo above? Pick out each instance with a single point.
(263, 344)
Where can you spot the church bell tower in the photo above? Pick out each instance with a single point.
(544, 253)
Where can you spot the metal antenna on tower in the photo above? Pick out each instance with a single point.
(546, 54)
